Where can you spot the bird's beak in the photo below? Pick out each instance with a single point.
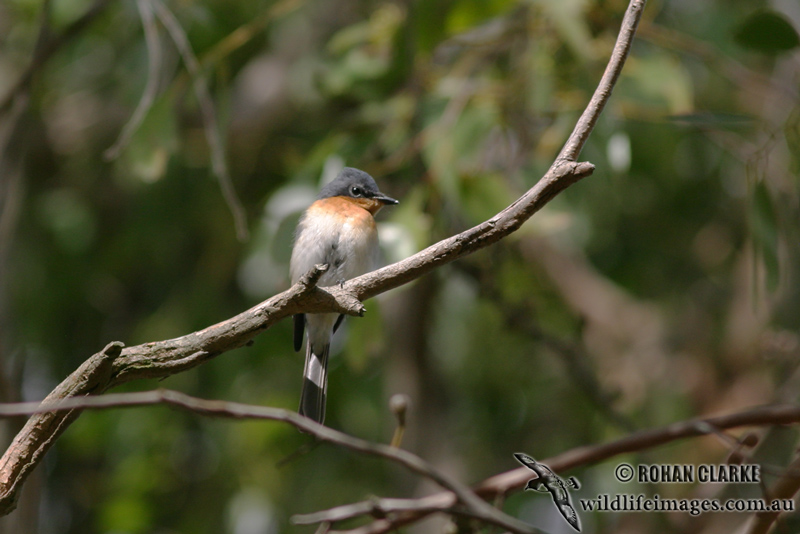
(385, 199)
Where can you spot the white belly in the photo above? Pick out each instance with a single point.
(349, 248)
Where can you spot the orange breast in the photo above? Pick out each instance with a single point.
(369, 204)
(360, 209)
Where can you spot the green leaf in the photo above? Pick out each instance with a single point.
(767, 32)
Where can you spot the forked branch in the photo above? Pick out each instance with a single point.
(116, 365)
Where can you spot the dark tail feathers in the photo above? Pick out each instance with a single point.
(315, 384)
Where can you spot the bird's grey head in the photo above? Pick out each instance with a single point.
(356, 184)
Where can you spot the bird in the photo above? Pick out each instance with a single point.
(553, 484)
(337, 230)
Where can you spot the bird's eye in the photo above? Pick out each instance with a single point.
(356, 191)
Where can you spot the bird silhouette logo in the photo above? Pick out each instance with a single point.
(548, 481)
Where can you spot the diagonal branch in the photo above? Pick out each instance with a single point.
(630, 22)
(563, 173)
(164, 358)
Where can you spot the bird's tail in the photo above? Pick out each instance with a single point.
(315, 383)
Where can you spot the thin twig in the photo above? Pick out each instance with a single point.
(511, 218)
(398, 404)
(219, 164)
(151, 86)
(574, 145)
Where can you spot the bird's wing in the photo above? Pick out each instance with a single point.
(299, 327)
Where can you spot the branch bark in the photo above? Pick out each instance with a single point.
(116, 365)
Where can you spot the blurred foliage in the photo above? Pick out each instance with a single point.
(661, 288)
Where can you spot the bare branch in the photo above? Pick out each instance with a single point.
(558, 178)
(563, 173)
(398, 404)
(574, 145)
(114, 366)
(310, 279)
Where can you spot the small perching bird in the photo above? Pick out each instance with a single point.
(337, 230)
